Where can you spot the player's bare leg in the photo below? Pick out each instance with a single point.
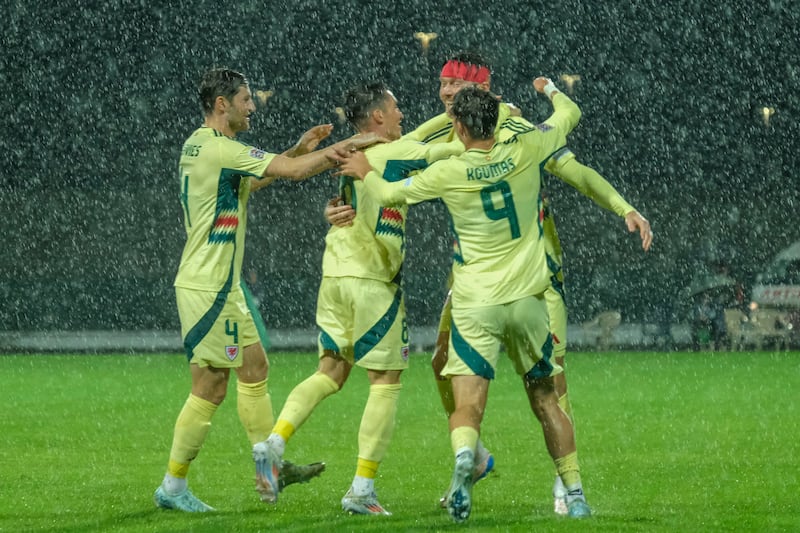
(560, 441)
(331, 374)
(484, 460)
(209, 386)
(557, 312)
(560, 384)
(470, 394)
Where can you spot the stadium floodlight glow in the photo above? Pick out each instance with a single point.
(570, 80)
(425, 39)
(340, 113)
(263, 96)
(766, 113)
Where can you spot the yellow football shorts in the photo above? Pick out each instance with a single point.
(364, 321)
(477, 334)
(215, 327)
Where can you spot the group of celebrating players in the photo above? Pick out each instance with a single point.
(483, 161)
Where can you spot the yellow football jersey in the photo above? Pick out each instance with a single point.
(563, 165)
(215, 173)
(374, 246)
(496, 210)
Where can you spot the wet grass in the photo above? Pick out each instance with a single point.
(668, 442)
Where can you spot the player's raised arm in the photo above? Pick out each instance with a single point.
(431, 129)
(356, 165)
(591, 184)
(566, 113)
(309, 141)
(588, 182)
(305, 166)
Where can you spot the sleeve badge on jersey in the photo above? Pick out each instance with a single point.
(544, 127)
(256, 153)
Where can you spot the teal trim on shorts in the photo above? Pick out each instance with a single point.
(204, 325)
(557, 285)
(376, 333)
(470, 355)
(327, 342)
(543, 367)
(258, 320)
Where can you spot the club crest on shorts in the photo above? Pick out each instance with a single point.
(404, 353)
(231, 352)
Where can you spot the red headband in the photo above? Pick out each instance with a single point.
(465, 71)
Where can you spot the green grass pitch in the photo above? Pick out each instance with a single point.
(667, 442)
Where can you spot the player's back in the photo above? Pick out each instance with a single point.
(495, 204)
(373, 246)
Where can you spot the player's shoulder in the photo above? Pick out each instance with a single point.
(395, 149)
(211, 135)
(455, 161)
(436, 129)
(511, 126)
(516, 130)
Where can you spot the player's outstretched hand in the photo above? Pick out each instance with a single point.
(337, 213)
(351, 163)
(635, 221)
(309, 141)
(359, 141)
(540, 83)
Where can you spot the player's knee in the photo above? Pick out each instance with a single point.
(254, 370)
(384, 377)
(213, 392)
(541, 395)
(335, 367)
(560, 384)
(340, 380)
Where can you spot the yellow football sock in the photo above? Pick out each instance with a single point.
(377, 422)
(567, 467)
(445, 387)
(191, 429)
(255, 409)
(367, 468)
(302, 401)
(463, 437)
(563, 402)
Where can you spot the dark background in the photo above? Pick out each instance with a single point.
(99, 96)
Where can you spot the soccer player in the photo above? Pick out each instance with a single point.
(360, 307)
(500, 274)
(217, 174)
(466, 69)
